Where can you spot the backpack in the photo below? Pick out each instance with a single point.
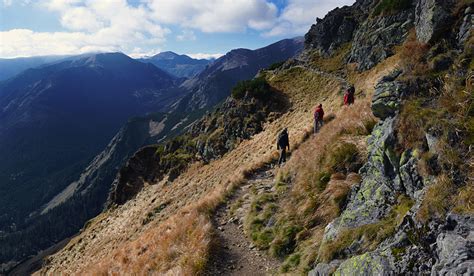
(282, 139)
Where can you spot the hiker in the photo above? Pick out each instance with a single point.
(318, 118)
(349, 96)
(283, 143)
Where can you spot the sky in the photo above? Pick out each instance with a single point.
(199, 28)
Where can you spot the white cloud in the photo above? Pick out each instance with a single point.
(114, 25)
(213, 16)
(105, 25)
(298, 15)
(7, 3)
(186, 35)
(205, 56)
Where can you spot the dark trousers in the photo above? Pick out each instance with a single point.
(282, 156)
(317, 125)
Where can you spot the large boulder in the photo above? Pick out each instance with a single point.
(431, 19)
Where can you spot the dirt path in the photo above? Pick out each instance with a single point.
(234, 253)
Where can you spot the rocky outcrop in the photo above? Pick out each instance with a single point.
(375, 38)
(387, 97)
(373, 198)
(334, 30)
(235, 120)
(443, 249)
(432, 19)
(139, 169)
(467, 25)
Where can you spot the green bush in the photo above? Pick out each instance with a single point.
(276, 65)
(291, 262)
(322, 181)
(285, 240)
(391, 6)
(256, 88)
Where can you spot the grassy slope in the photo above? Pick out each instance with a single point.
(176, 238)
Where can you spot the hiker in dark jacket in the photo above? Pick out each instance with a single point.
(318, 118)
(283, 143)
(349, 96)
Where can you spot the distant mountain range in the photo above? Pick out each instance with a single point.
(181, 66)
(214, 83)
(65, 131)
(55, 119)
(14, 66)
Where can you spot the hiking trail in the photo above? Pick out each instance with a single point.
(234, 253)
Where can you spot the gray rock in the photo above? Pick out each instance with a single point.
(366, 264)
(387, 97)
(466, 27)
(409, 177)
(329, 33)
(455, 247)
(431, 19)
(323, 269)
(432, 141)
(376, 37)
(372, 199)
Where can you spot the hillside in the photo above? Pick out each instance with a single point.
(385, 188)
(53, 121)
(83, 193)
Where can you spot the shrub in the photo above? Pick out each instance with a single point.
(391, 6)
(276, 65)
(255, 88)
(285, 240)
(322, 180)
(291, 262)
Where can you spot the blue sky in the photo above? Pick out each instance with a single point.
(200, 28)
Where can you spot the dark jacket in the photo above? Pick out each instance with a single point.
(283, 141)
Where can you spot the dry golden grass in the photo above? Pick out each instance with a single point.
(176, 241)
(437, 200)
(413, 55)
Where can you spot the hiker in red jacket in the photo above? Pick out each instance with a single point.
(318, 118)
(349, 96)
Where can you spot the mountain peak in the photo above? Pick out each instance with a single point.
(101, 59)
(167, 55)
